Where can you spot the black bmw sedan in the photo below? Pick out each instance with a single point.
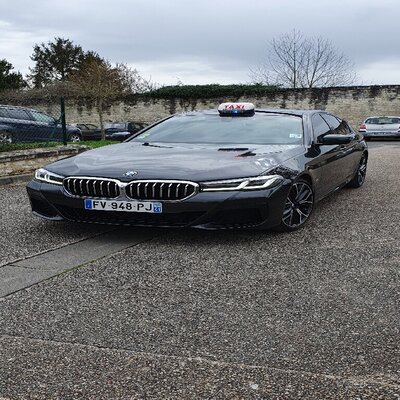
(235, 167)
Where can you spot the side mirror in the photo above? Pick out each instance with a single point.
(333, 138)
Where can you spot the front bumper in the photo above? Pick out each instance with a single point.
(208, 210)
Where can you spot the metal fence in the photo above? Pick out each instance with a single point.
(45, 123)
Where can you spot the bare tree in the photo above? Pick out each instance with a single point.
(299, 62)
(133, 81)
(99, 82)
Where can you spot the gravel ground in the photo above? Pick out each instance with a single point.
(194, 314)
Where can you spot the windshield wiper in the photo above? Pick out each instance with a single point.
(233, 149)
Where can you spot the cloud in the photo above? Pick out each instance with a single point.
(199, 42)
(385, 72)
(191, 71)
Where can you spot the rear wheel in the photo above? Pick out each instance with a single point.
(298, 207)
(361, 172)
(6, 137)
(74, 137)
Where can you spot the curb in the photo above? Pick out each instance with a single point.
(7, 180)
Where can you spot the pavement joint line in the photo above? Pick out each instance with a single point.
(17, 266)
(353, 381)
(55, 248)
(11, 263)
(3, 298)
(58, 273)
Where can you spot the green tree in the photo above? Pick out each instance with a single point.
(8, 79)
(56, 61)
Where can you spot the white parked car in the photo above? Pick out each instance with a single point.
(383, 126)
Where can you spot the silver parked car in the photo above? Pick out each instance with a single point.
(383, 126)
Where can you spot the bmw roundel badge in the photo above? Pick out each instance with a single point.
(130, 173)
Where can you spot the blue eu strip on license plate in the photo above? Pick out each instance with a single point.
(123, 206)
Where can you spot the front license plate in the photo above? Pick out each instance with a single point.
(125, 206)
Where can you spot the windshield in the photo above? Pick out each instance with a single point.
(213, 129)
(117, 125)
(38, 116)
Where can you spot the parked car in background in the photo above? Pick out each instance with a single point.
(18, 124)
(235, 167)
(122, 130)
(89, 131)
(383, 126)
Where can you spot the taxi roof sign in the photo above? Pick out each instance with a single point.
(236, 109)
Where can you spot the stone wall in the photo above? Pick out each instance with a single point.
(351, 103)
(26, 161)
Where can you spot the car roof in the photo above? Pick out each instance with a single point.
(297, 112)
(20, 107)
(290, 111)
(382, 116)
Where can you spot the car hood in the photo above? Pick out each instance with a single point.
(175, 161)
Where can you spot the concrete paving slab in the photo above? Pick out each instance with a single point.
(30, 271)
(14, 278)
(25, 235)
(80, 253)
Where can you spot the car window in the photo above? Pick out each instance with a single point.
(3, 113)
(204, 128)
(338, 126)
(91, 126)
(118, 125)
(382, 121)
(18, 113)
(343, 128)
(41, 117)
(332, 121)
(320, 127)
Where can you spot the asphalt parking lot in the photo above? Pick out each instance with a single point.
(104, 313)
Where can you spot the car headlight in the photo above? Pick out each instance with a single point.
(252, 183)
(49, 177)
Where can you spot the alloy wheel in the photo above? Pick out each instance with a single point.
(5, 138)
(74, 138)
(298, 206)
(362, 171)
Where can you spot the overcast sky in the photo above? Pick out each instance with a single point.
(207, 41)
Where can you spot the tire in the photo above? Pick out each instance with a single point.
(74, 138)
(6, 138)
(361, 172)
(298, 207)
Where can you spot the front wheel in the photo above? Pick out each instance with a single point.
(299, 205)
(6, 138)
(74, 137)
(361, 172)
